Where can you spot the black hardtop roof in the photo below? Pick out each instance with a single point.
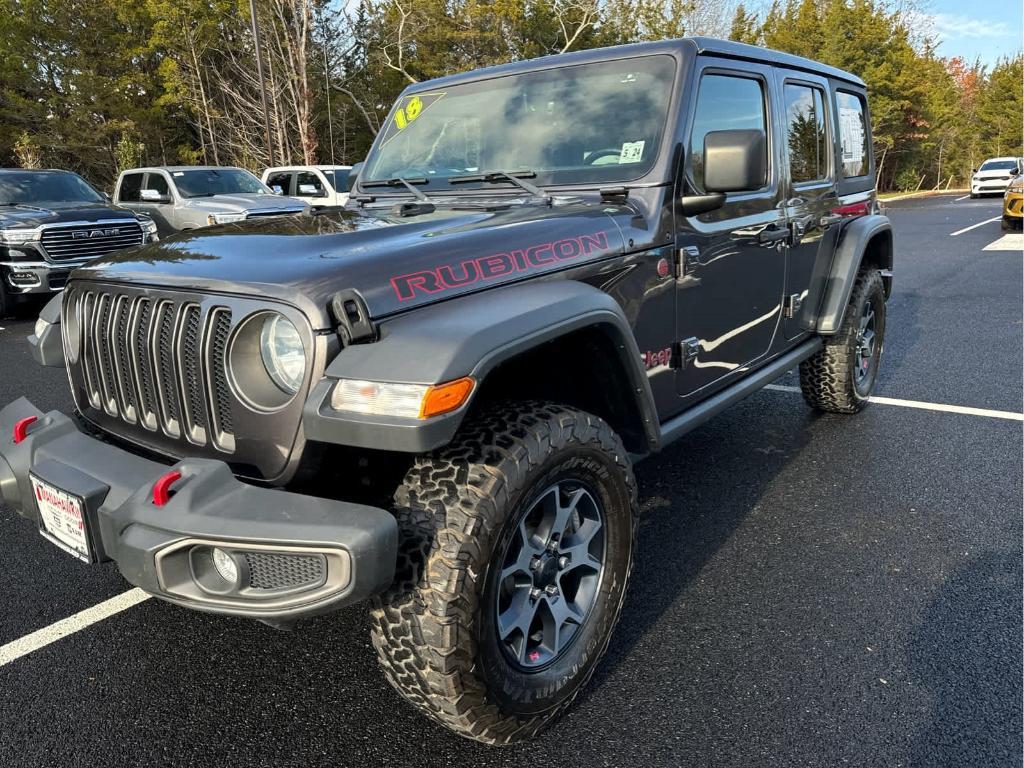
(684, 45)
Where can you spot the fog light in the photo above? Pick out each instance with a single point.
(225, 565)
(22, 279)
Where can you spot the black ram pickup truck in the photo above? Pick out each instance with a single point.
(433, 400)
(51, 222)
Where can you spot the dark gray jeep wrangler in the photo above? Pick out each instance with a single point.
(433, 399)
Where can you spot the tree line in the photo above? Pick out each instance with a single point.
(99, 85)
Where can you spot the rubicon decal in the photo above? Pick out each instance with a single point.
(496, 265)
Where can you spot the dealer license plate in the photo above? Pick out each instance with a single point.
(63, 519)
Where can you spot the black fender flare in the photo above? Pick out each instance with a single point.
(467, 336)
(838, 284)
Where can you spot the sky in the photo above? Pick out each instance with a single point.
(977, 29)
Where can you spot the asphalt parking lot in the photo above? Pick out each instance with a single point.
(810, 590)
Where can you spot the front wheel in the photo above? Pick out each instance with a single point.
(841, 376)
(516, 547)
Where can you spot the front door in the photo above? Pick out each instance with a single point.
(733, 259)
(811, 186)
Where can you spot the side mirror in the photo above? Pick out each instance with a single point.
(310, 190)
(153, 196)
(353, 174)
(735, 161)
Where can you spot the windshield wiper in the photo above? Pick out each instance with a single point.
(495, 176)
(407, 183)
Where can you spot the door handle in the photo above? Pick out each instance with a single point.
(829, 219)
(773, 234)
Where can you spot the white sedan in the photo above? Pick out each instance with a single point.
(994, 175)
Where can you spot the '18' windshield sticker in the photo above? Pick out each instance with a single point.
(408, 112)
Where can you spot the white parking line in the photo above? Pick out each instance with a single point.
(965, 409)
(61, 629)
(974, 226)
(961, 198)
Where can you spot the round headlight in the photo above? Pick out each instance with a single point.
(282, 352)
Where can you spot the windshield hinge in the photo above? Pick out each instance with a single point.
(612, 194)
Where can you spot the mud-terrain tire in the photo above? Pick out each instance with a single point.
(470, 515)
(841, 376)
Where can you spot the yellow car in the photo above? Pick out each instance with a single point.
(1013, 204)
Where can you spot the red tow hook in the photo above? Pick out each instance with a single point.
(21, 428)
(162, 487)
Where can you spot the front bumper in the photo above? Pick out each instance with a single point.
(1013, 205)
(155, 547)
(989, 186)
(33, 277)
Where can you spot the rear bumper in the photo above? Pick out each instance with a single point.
(349, 549)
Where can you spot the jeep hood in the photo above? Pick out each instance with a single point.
(395, 263)
(240, 203)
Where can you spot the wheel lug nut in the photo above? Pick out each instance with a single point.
(534, 563)
(563, 561)
(551, 589)
(534, 593)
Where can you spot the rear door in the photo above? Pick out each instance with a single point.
(809, 177)
(281, 182)
(733, 258)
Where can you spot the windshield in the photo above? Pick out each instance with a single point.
(218, 181)
(592, 123)
(46, 187)
(999, 165)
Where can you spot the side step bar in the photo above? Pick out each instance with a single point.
(679, 425)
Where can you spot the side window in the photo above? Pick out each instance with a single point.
(853, 134)
(279, 182)
(805, 133)
(131, 183)
(309, 184)
(159, 183)
(724, 102)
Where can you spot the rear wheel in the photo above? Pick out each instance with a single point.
(516, 548)
(5, 301)
(841, 376)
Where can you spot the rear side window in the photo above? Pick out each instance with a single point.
(724, 103)
(806, 136)
(853, 134)
(159, 183)
(279, 182)
(131, 183)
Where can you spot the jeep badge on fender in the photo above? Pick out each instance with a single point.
(432, 399)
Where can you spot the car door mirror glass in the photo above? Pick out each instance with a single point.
(311, 190)
(735, 160)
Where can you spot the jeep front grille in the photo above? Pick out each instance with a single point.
(152, 366)
(157, 363)
(89, 241)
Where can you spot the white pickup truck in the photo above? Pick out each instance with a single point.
(321, 186)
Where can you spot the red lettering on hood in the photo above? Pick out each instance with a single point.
(495, 265)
